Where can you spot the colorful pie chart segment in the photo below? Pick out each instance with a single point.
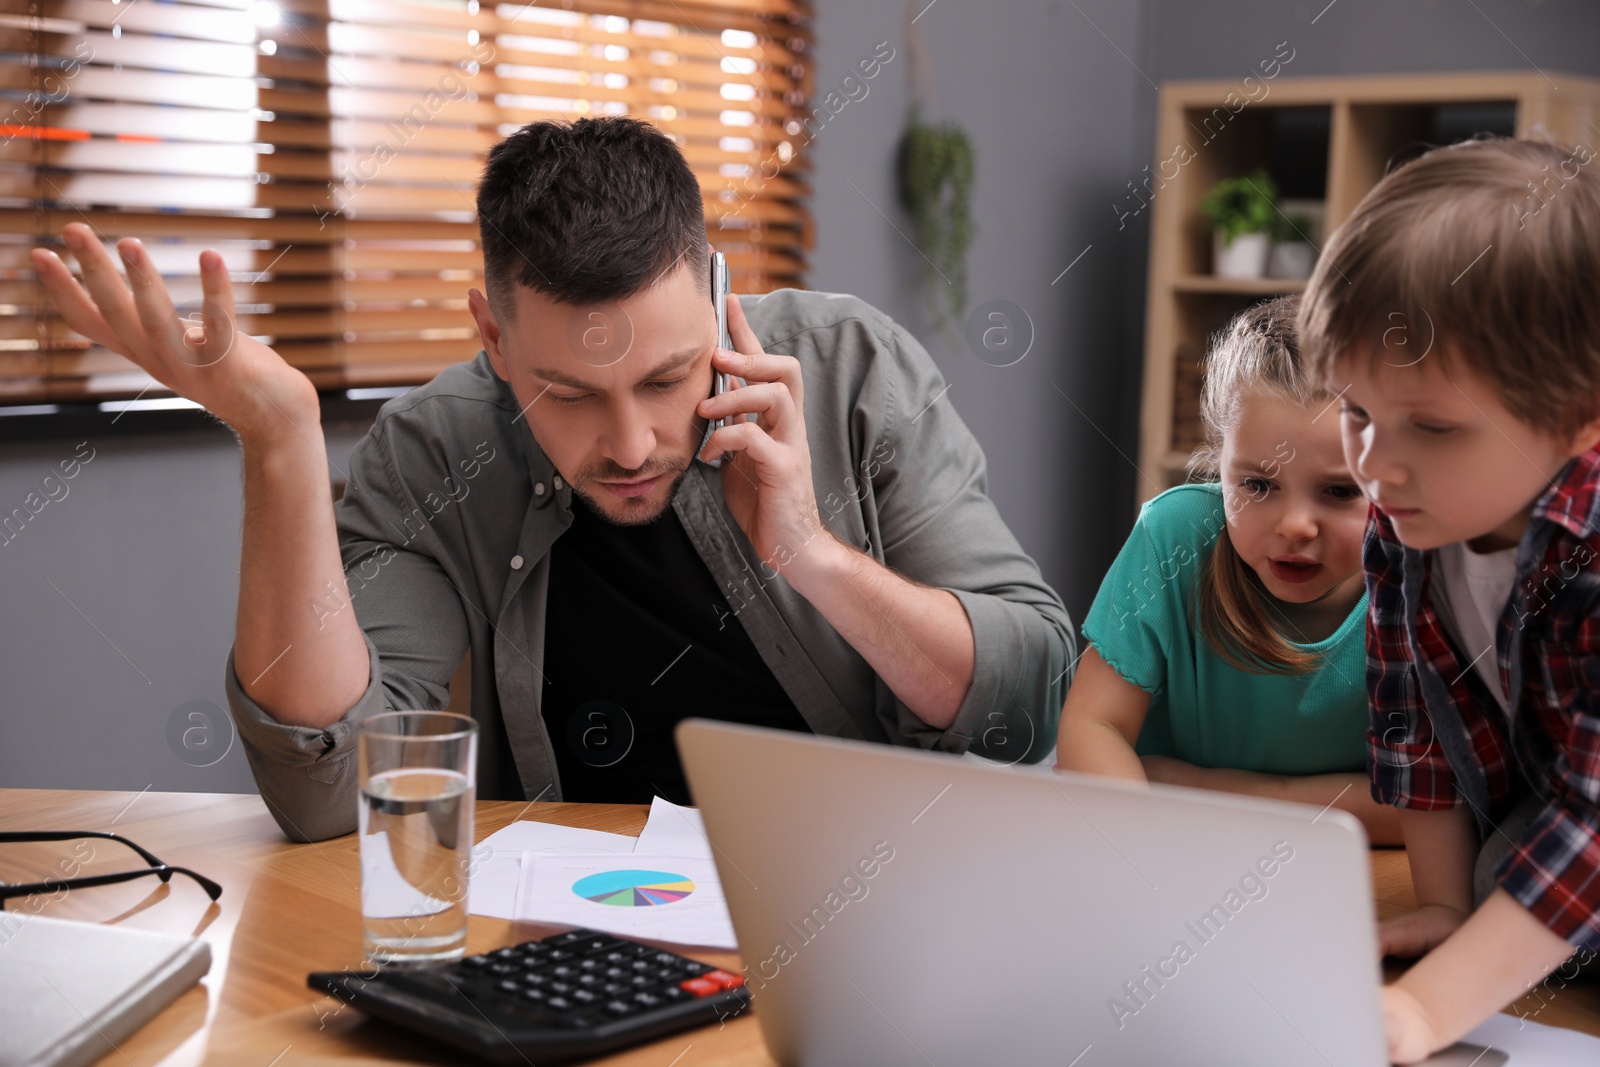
(633, 889)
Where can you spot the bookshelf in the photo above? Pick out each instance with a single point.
(1321, 139)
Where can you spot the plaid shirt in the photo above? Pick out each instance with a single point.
(1438, 737)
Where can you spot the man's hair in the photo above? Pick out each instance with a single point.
(1487, 252)
(1256, 353)
(591, 211)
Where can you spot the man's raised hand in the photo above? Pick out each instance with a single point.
(237, 378)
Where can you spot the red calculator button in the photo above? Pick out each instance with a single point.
(700, 987)
(724, 979)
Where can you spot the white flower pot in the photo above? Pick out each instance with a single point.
(1244, 257)
(1291, 259)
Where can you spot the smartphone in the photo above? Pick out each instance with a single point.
(720, 296)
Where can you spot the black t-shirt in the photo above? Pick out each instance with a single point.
(637, 638)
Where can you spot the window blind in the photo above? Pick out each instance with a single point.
(330, 149)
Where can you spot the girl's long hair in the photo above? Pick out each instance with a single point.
(1257, 351)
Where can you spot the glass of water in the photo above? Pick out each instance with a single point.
(418, 784)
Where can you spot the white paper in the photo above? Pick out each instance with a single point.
(673, 830)
(498, 860)
(530, 835)
(1531, 1044)
(492, 882)
(699, 918)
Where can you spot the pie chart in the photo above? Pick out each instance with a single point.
(633, 889)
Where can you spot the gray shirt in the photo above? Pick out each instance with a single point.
(450, 510)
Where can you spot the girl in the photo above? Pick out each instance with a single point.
(1227, 645)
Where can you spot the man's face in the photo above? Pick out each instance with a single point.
(1295, 516)
(1433, 446)
(609, 391)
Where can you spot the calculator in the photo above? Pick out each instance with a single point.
(563, 998)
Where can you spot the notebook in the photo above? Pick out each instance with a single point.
(73, 990)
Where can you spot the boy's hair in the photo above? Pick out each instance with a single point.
(591, 211)
(1489, 252)
(1256, 352)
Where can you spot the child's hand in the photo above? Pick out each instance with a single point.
(1417, 932)
(1406, 1026)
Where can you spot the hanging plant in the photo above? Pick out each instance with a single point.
(936, 165)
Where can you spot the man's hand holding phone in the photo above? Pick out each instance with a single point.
(202, 358)
(766, 470)
(918, 639)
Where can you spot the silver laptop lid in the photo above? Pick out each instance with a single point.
(905, 909)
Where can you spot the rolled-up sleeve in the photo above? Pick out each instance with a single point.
(1554, 870)
(406, 605)
(307, 776)
(939, 527)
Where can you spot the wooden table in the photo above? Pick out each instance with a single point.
(290, 909)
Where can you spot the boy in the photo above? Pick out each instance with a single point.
(1457, 315)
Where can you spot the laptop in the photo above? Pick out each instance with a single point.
(909, 909)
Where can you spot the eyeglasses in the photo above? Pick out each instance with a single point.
(157, 868)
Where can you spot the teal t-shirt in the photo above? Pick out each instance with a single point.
(1202, 710)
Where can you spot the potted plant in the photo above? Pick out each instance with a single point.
(1293, 254)
(1241, 213)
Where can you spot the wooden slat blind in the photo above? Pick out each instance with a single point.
(330, 149)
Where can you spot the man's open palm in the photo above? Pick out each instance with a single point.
(202, 358)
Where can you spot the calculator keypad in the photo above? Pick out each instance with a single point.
(581, 979)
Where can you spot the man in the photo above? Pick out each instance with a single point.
(826, 561)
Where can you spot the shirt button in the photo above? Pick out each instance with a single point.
(538, 489)
(516, 563)
(558, 481)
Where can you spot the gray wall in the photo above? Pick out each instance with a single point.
(117, 609)
(116, 602)
(1058, 98)
(1220, 40)
(1053, 115)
